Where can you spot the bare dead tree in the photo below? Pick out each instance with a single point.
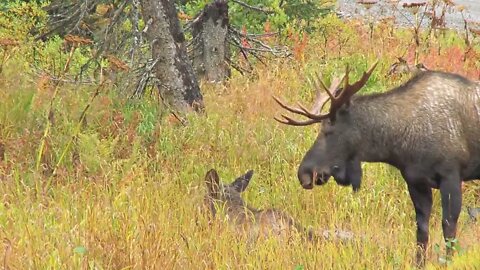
(144, 54)
(177, 83)
(210, 49)
(215, 40)
(155, 56)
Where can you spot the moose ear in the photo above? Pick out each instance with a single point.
(212, 181)
(241, 183)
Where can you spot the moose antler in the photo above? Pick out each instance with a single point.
(338, 97)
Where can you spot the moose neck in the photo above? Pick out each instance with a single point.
(376, 121)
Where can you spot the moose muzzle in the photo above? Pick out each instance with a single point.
(308, 177)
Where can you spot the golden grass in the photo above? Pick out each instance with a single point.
(132, 198)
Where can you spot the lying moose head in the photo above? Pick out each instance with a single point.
(258, 222)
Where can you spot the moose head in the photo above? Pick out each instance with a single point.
(334, 151)
(230, 194)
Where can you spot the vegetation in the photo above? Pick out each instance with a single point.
(90, 179)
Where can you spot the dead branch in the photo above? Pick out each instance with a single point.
(259, 9)
(261, 46)
(107, 37)
(64, 79)
(146, 74)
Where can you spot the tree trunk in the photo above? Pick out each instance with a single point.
(211, 48)
(177, 83)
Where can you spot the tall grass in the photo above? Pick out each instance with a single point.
(132, 197)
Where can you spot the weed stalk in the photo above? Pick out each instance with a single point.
(75, 134)
(49, 115)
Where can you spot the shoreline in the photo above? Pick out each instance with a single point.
(351, 9)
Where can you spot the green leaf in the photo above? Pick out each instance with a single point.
(80, 250)
(299, 267)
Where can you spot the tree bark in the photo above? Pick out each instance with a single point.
(210, 40)
(177, 83)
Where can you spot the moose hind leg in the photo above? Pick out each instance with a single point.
(422, 201)
(451, 193)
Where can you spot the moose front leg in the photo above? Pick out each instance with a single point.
(422, 201)
(450, 189)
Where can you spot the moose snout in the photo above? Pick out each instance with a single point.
(306, 180)
(308, 176)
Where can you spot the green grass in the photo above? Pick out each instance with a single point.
(134, 199)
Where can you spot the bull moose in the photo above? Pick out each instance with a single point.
(428, 128)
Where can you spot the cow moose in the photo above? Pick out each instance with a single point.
(428, 128)
(255, 222)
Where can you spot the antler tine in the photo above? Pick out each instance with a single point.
(329, 90)
(336, 83)
(347, 77)
(366, 75)
(293, 122)
(314, 117)
(314, 114)
(336, 101)
(320, 98)
(305, 113)
(343, 98)
(350, 89)
(302, 111)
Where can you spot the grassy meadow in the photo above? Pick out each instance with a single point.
(128, 190)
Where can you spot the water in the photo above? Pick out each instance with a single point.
(349, 8)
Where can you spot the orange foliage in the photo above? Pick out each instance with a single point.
(8, 42)
(299, 46)
(184, 17)
(77, 40)
(453, 59)
(244, 40)
(44, 91)
(117, 64)
(103, 9)
(267, 27)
